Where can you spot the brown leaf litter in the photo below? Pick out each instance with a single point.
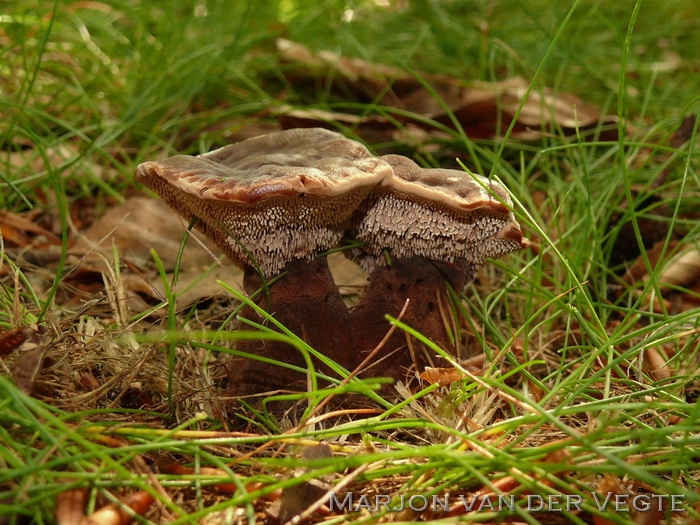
(482, 109)
(676, 268)
(138, 226)
(70, 509)
(102, 371)
(105, 372)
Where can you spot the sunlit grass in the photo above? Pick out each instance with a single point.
(567, 401)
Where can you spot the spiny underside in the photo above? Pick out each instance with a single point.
(271, 233)
(408, 226)
(293, 194)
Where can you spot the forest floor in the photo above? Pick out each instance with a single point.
(574, 396)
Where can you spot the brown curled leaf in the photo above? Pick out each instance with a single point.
(112, 514)
(70, 507)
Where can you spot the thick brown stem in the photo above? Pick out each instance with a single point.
(423, 283)
(306, 300)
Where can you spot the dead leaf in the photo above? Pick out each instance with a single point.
(685, 131)
(191, 285)
(483, 110)
(30, 159)
(138, 502)
(480, 106)
(360, 75)
(372, 128)
(682, 271)
(225, 487)
(638, 270)
(136, 227)
(10, 340)
(611, 485)
(503, 485)
(31, 359)
(299, 497)
(657, 365)
(670, 61)
(679, 280)
(350, 278)
(291, 117)
(16, 230)
(70, 507)
(507, 484)
(474, 363)
(441, 376)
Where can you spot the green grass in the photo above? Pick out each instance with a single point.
(567, 403)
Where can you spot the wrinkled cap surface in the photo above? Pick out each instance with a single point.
(311, 161)
(270, 199)
(440, 214)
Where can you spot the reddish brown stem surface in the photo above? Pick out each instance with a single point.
(422, 282)
(306, 300)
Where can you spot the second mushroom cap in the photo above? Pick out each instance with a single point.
(439, 214)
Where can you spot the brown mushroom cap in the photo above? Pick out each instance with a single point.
(275, 198)
(438, 214)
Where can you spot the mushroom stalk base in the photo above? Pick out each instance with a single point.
(422, 282)
(306, 300)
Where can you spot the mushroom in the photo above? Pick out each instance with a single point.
(273, 204)
(420, 230)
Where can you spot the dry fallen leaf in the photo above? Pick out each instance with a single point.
(225, 486)
(679, 279)
(10, 340)
(297, 498)
(481, 106)
(365, 76)
(612, 487)
(31, 358)
(483, 109)
(30, 159)
(16, 230)
(291, 117)
(136, 227)
(351, 279)
(685, 131)
(70, 507)
(441, 376)
(507, 484)
(682, 271)
(657, 365)
(138, 502)
(638, 270)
